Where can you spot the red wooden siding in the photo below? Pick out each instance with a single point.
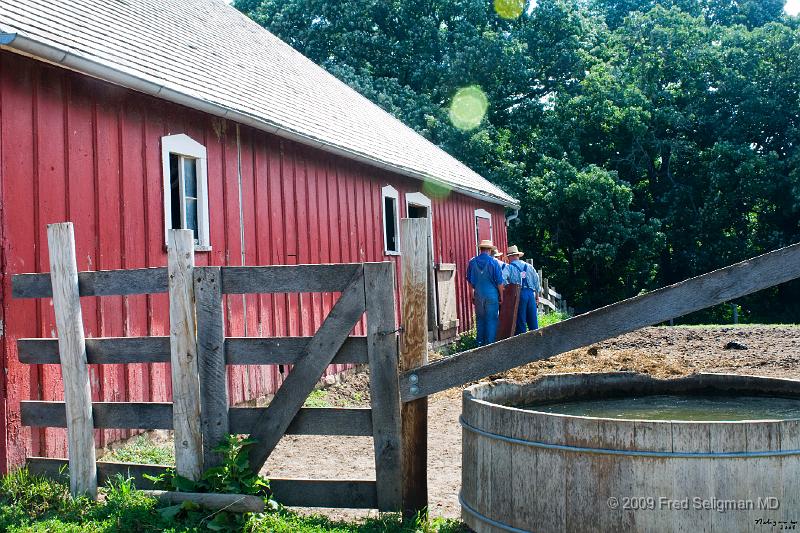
(75, 148)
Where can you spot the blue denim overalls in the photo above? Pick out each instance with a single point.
(487, 305)
(527, 318)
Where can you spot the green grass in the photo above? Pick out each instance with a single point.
(289, 522)
(552, 318)
(143, 450)
(318, 398)
(32, 504)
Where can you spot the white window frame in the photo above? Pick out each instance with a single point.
(185, 146)
(483, 213)
(420, 200)
(390, 192)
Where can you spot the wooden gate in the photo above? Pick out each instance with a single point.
(365, 288)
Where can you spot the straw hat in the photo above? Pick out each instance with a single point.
(486, 244)
(513, 250)
(497, 253)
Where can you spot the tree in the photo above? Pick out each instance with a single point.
(587, 232)
(750, 13)
(647, 140)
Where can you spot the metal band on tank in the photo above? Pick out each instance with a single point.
(607, 451)
(486, 519)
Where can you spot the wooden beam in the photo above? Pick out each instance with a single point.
(235, 503)
(183, 355)
(149, 415)
(238, 350)
(54, 469)
(287, 278)
(288, 400)
(414, 353)
(287, 350)
(658, 306)
(99, 351)
(117, 415)
(358, 494)
(72, 351)
(211, 362)
(383, 383)
(95, 283)
(336, 421)
(291, 492)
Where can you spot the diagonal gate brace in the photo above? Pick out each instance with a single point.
(320, 351)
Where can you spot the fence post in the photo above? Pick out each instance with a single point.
(546, 291)
(183, 355)
(384, 383)
(211, 361)
(72, 352)
(414, 353)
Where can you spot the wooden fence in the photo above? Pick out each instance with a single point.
(199, 352)
(550, 300)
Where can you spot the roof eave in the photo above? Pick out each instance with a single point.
(44, 51)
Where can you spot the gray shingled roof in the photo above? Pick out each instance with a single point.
(207, 55)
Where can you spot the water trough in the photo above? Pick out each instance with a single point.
(525, 470)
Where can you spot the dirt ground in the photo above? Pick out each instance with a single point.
(662, 352)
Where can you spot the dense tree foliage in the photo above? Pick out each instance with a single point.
(647, 140)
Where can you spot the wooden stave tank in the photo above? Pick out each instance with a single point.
(658, 459)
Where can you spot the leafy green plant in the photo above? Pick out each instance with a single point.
(466, 341)
(233, 476)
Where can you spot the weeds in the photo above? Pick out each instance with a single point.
(317, 398)
(549, 319)
(32, 504)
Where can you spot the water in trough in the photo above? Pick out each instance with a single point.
(688, 407)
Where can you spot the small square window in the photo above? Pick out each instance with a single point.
(185, 187)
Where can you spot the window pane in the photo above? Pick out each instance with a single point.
(175, 191)
(390, 224)
(190, 176)
(191, 215)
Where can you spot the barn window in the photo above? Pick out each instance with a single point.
(185, 187)
(391, 222)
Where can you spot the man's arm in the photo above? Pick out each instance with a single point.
(498, 279)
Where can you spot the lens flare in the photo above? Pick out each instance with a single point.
(509, 9)
(437, 191)
(468, 108)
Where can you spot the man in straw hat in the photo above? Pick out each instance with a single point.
(524, 275)
(486, 278)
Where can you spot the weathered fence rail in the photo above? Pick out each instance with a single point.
(197, 336)
(648, 309)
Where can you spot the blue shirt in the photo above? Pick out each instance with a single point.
(482, 262)
(529, 281)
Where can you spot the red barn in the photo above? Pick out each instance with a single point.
(130, 117)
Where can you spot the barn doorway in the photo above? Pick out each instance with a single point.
(483, 227)
(419, 206)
